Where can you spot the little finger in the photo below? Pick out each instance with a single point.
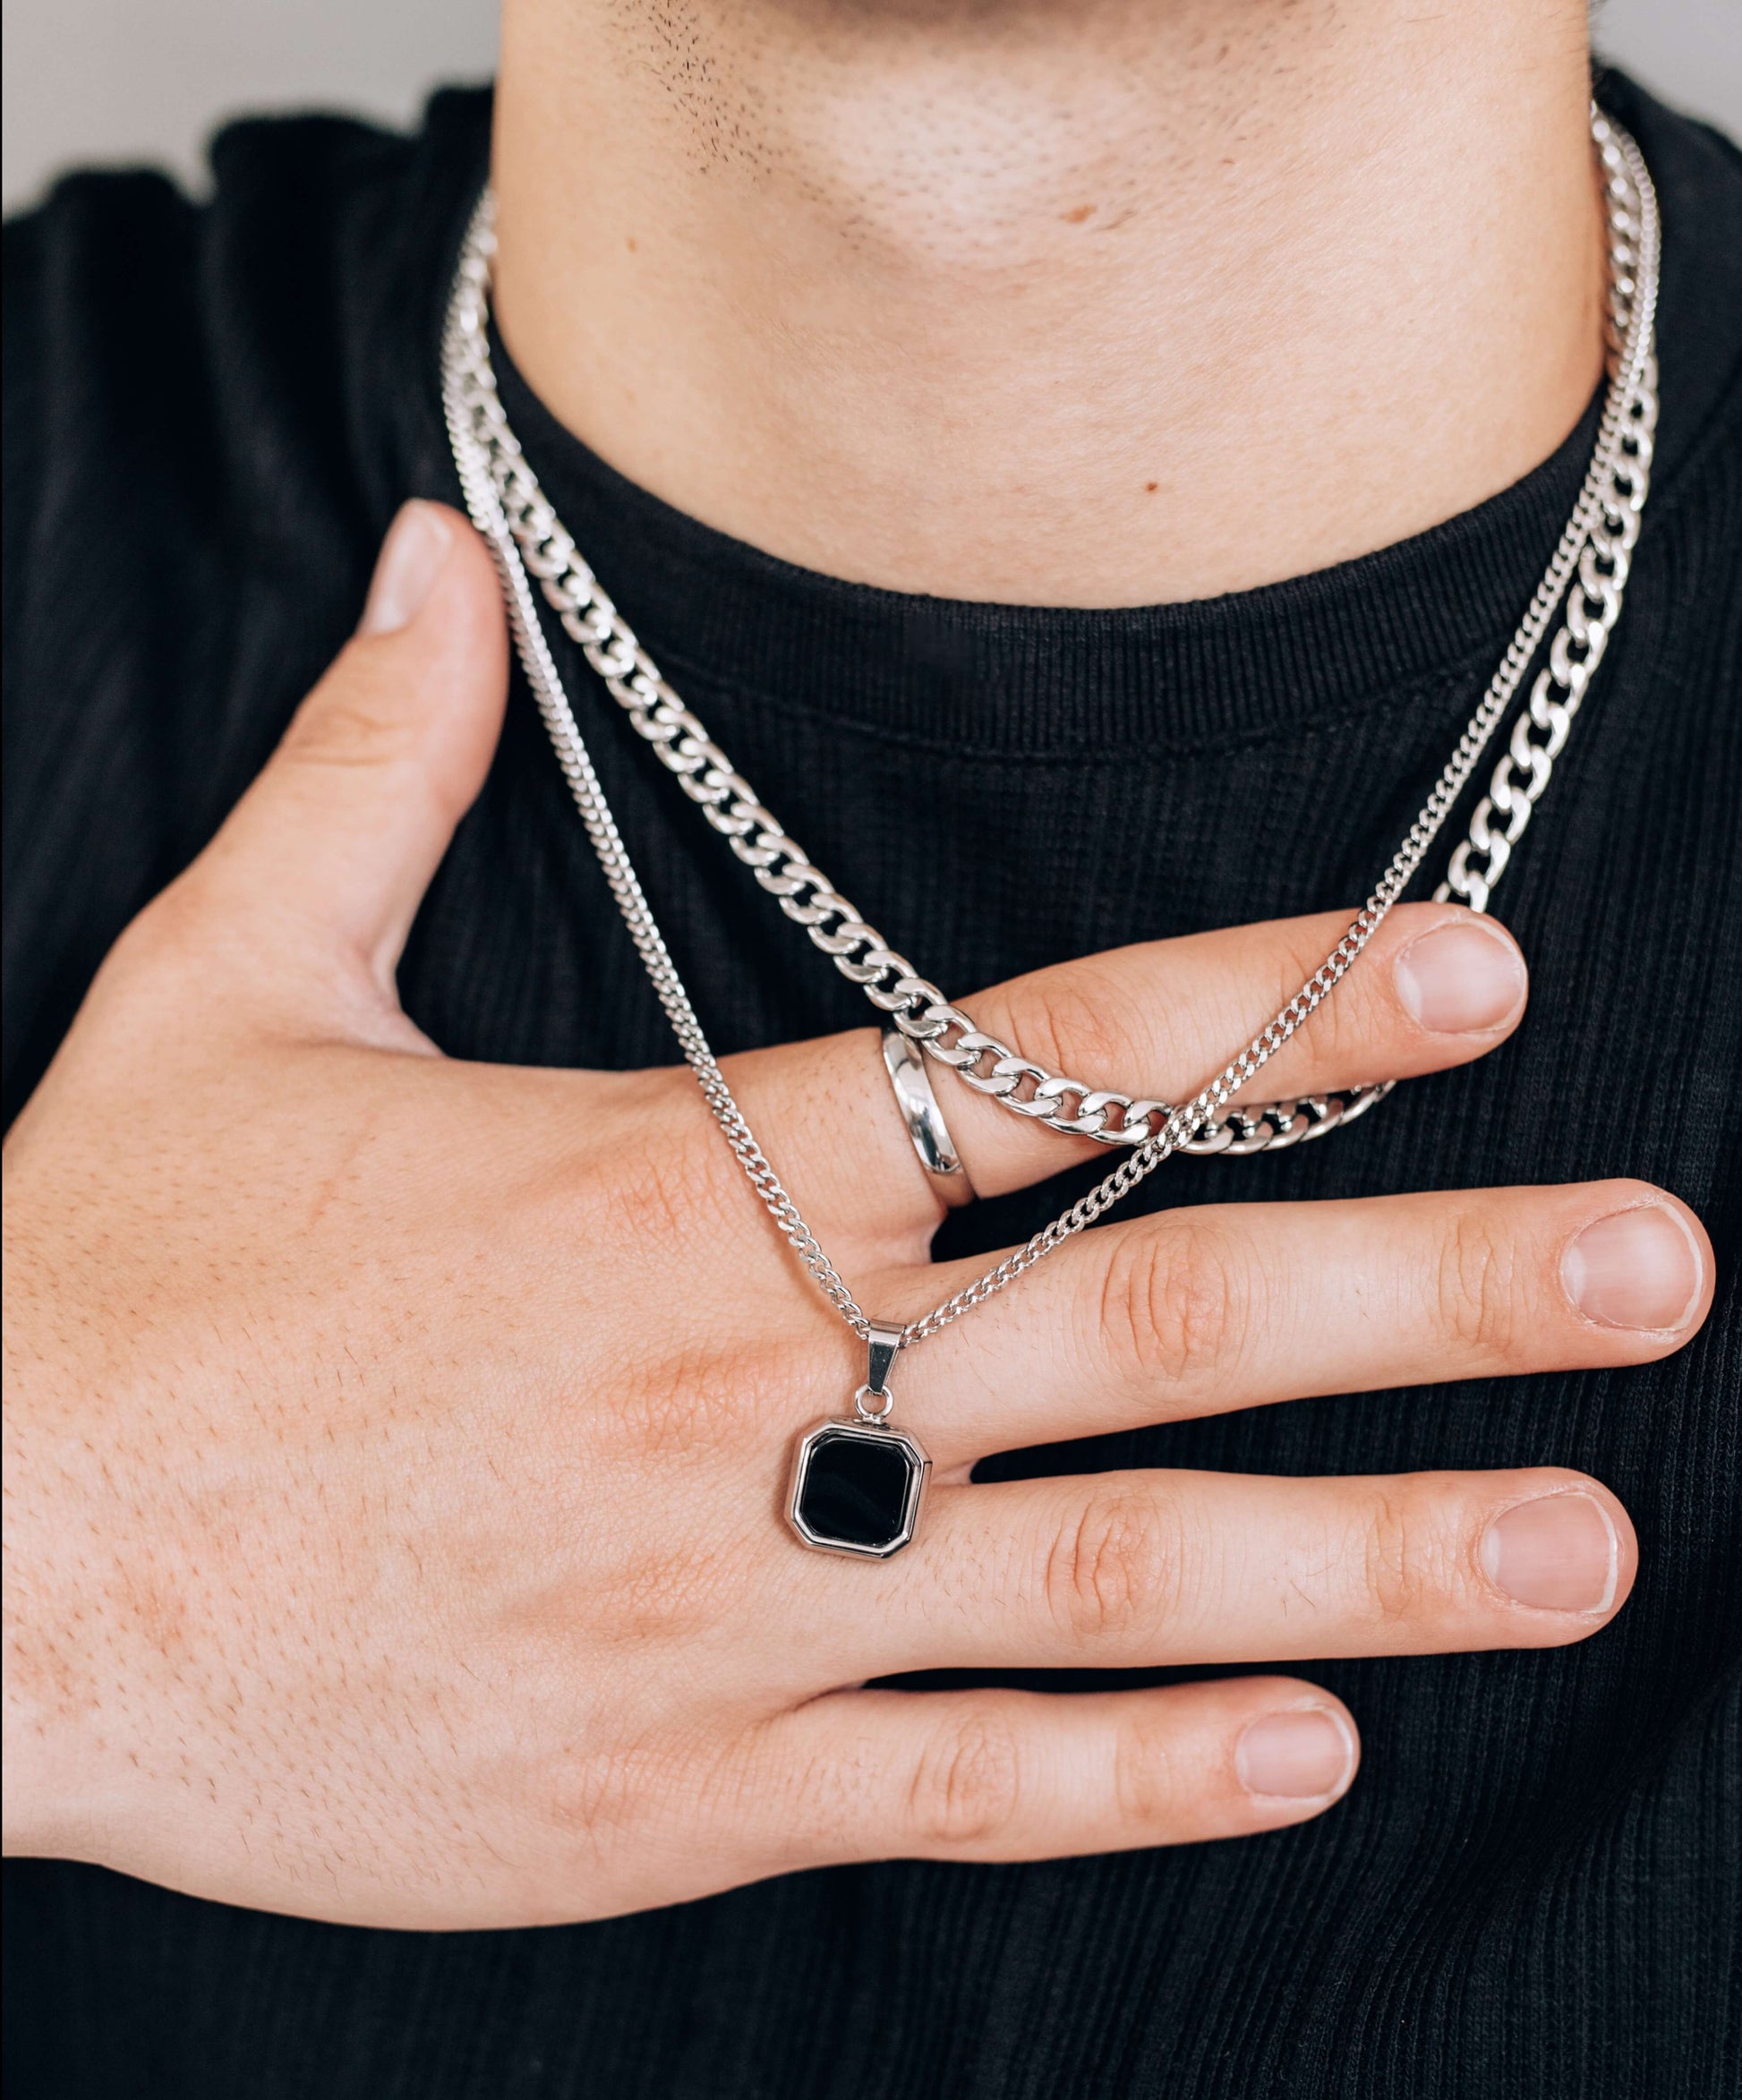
(1003, 1774)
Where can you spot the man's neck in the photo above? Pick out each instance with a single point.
(1055, 302)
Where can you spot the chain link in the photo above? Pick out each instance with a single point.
(527, 539)
(1593, 555)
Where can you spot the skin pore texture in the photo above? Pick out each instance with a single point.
(1054, 301)
(369, 1557)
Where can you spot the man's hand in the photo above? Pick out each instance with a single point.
(395, 1446)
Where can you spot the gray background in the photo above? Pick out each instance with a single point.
(89, 81)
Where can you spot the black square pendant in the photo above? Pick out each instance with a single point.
(855, 1489)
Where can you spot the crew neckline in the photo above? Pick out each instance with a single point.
(1427, 612)
(1423, 622)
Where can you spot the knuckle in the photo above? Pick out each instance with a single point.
(966, 1787)
(690, 1397)
(1146, 1778)
(1410, 1556)
(687, 1183)
(1342, 1028)
(656, 1408)
(352, 718)
(668, 1594)
(1062, 1018)
(1338, 1036)
(587, 1797)
(1171, 1301)
(1114, 1567)
(1476, 1286)
(596, 1801)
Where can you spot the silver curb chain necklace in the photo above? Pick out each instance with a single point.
(863, 1476)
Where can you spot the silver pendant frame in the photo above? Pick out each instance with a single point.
(837, 1427)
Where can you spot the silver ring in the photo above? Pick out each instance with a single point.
(906, 1067)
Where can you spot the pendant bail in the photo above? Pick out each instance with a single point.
(881, 1342)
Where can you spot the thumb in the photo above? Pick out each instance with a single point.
(339, 838)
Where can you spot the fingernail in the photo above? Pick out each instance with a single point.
(411, 558)
(1558, 1553)
(1638, 1269)
(1295, 1756)
(1459, 978)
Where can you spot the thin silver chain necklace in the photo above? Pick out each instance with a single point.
(526, 539)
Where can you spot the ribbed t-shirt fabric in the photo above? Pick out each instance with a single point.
(1533, 1890)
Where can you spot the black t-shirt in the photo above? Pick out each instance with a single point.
(1533, 1890)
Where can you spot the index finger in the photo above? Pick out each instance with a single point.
(1437, 985)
